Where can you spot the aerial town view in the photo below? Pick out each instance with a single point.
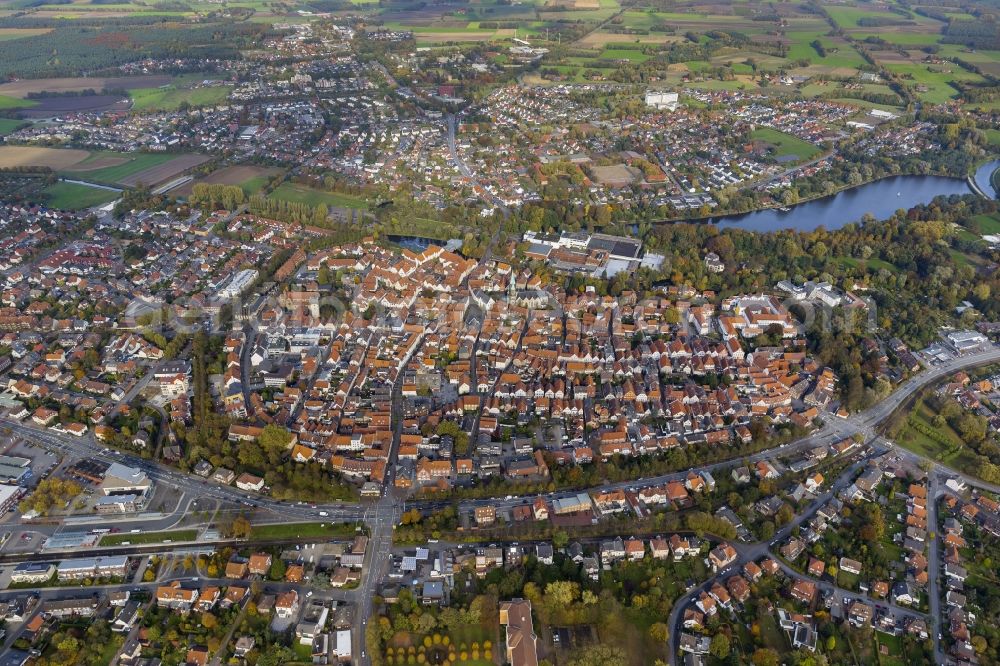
(499, 332)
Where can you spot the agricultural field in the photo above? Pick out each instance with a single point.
(839, 54)
(48, 107)
(632, 55)
(8, 102)
(77, 83)
(936, 78)
(250, 178)
(312, 197)
(73, 196)
(171, 99)
(53, 158)
(786, 145)
(8, 34)
(8, 125)
(987, 61)
(135, 168)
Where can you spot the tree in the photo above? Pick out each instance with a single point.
(241, 527)
(601, 655)
(765, 657)
(659, 632)
(277, 571)
(831, 643)
(50, 494)
(719, 646)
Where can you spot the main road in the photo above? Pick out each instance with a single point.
(833, 429)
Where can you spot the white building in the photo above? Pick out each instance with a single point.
(238, 284)
(662, 100)
(121, 479)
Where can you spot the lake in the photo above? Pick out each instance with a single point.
(881, 198)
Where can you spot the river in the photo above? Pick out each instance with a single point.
(881, 198)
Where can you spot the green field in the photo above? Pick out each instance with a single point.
(149, 537)
(302, 530)
(839, 55)
(171, 99)
(938, 82)
(8, 125)
(632, 55)
(848, 17)
(955, 454)
(869, 264)
(988, 224)
(312, 197)
(865, 104)
(714, 84)
(253, 185)
(71, 196)
(8, 102)
(786, 144)
(137, 162)
(902, 38)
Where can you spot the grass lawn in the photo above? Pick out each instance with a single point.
(869, 264)
(771, 634)
(170, 98)
(71, 196)
(847, 580)
(8, 125)
(786, 144)
(112, 174)
(148, 537)
(954, 455)
(988, 224)
(993, 136)
(253, 185)
(421, 226)
(894, 647)
(302, 530)
(313, 197)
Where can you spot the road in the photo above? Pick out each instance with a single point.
(934, 565)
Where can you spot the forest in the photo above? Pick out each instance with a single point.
(69, 50)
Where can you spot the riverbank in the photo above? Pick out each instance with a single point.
(775, 217)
